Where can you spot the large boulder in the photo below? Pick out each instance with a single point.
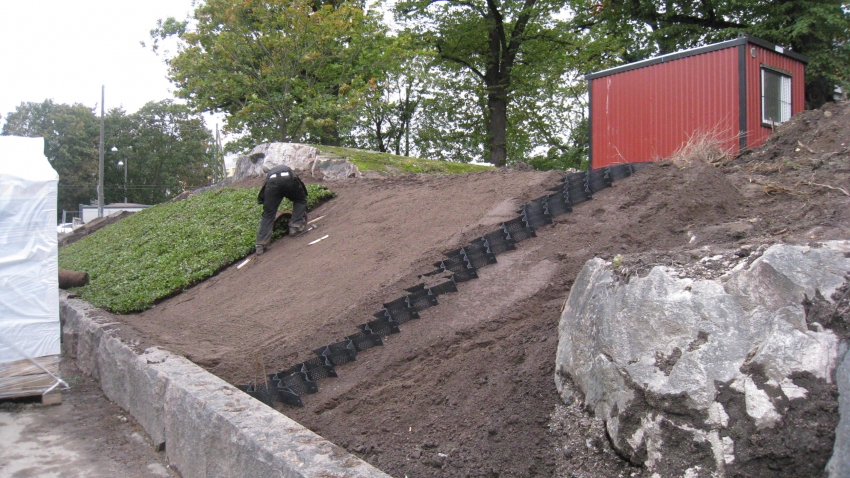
(725, 373)
(300, 157)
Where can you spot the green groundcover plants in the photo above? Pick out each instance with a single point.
(393, 164)
(161, 250)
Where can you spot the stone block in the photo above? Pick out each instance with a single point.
(208, 427)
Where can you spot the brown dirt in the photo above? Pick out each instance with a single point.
(468, 390)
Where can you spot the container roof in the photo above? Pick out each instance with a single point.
(742, 40)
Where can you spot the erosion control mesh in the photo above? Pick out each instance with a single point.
(461, 265)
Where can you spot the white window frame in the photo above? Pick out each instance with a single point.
(775, 105)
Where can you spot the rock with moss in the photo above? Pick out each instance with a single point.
(300, 157)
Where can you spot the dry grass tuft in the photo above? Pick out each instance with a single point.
(705, 147)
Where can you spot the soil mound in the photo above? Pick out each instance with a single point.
(468, 389)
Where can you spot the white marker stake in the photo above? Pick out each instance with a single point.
(243, 263)
(319, 239)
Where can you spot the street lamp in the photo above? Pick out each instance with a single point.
(122, 163)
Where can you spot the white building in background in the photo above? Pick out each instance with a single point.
(89, 213)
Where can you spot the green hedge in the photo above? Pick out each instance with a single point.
(162, 250)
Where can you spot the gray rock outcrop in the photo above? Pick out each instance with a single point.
(712, 377)
(300, 157)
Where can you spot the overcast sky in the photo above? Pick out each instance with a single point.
(66, 49)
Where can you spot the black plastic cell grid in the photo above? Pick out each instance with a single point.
(338, 353)
(444, 288)
(423, 302)
(578, 194)
(397, 315)
(537, 220)
(518, 229)
(298, 383)
(465, 275)
(456, 264)
(380, 327)
(363, 341)
(620, 171)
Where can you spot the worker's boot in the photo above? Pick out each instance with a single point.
(295, 230)
(259, 249)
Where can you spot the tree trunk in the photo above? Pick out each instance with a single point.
(497, 125)
(281, 125)
(379, 136)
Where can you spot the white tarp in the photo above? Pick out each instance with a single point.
(29, 268)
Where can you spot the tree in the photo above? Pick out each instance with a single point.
(167, 150)
(493, 41)
(71, 134)
(393, 96)
(819, 29)
(281, 70)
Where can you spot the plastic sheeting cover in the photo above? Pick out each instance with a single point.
(29, 269)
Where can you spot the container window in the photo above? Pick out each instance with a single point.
(775, 97)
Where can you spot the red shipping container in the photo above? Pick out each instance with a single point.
(737, 90)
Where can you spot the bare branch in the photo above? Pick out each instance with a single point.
(460, 61)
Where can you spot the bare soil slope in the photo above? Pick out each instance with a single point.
(468, 390)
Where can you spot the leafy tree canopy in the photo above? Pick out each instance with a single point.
(508, 63)
(166, 150)
(281, 70)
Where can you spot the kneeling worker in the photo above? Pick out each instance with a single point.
(281, 182)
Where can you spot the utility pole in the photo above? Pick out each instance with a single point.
(219, 153)
(100, 161)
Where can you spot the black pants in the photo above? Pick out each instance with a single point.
(278, 188)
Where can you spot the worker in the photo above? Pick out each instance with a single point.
(281, 182)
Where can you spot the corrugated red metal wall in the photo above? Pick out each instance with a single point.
(756, 133)
(645, 112)
(648, 113)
